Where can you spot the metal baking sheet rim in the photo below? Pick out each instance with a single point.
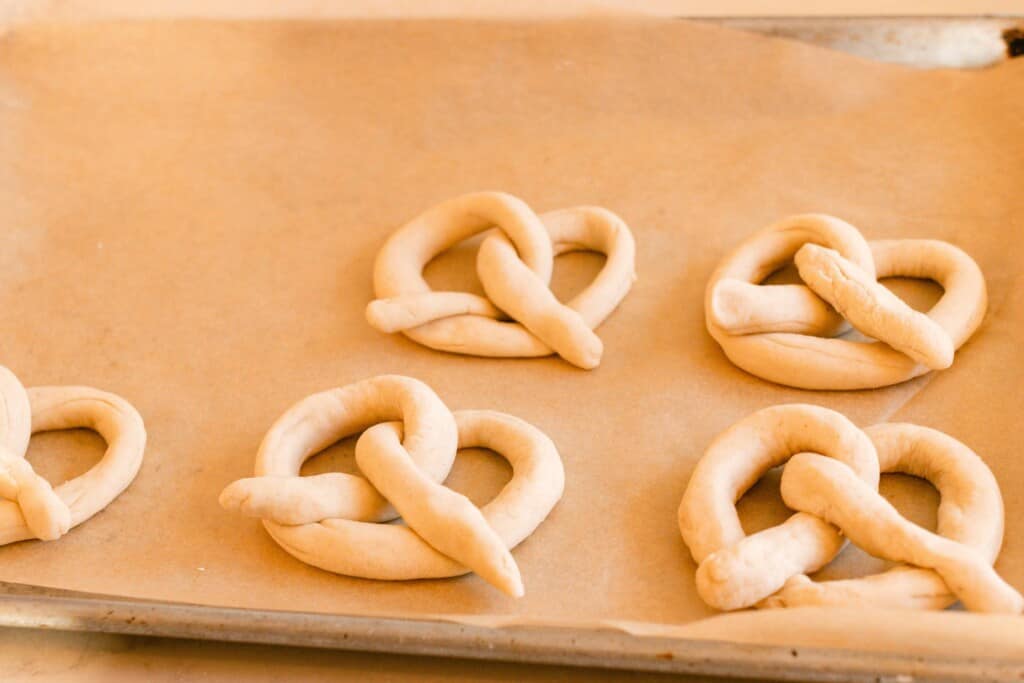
(588, 646)
(610, 646)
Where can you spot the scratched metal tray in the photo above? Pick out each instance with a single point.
(970, 42)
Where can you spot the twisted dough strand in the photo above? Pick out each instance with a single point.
(34, 509)
(514, 265)
(785, 333)
(837, 494)
(736, 570)
(970, 512)
(830, 491)
(407, 446)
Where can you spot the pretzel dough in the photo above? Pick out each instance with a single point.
(31, 507)
(970, 512)
(736, 570)
(316, 422)
(783, 333)
(514, 265)
(828, 490)
(446, 535)
(769, 568)
(873, 309)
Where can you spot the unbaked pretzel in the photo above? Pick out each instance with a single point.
(29, 506)
(769, 568)
(784, 333)
(407, 448)
(514, 265)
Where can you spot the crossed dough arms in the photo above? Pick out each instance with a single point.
(407, 448)
(787, 333)
(519, 317)
(783, 333)
(29, 506)
(830, 477)
(409, 438)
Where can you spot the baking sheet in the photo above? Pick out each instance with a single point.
(802, 644)
(191, 212)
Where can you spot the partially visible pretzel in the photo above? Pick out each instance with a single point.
(514, 265)
(29, 506)
(784, 333)
(407, 448)
(769, 568)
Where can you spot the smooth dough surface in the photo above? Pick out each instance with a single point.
(519, 317)
(404, 462)
(787, 333)
(970, 512)
(32, 508)
(736, 570)
(836, 497)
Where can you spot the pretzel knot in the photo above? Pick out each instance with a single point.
(831, 479)
(29, 506)
(514, 265)
(407, 447)
(784, 333)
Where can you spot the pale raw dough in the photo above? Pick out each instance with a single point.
(873, 309)
(514, 265)
(736, 570)
(316, 422)
(407, 448)
(830, 491)
(31, 508)
(970, 512)
(769, 568)
(784, 333)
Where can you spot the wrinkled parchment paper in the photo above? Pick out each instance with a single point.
(190, 213)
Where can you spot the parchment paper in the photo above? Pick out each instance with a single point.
(190, 213)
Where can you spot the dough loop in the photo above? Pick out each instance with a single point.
(408, 445)
(29, 506)
(830, 477)
(519, 317)
(786, 333)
